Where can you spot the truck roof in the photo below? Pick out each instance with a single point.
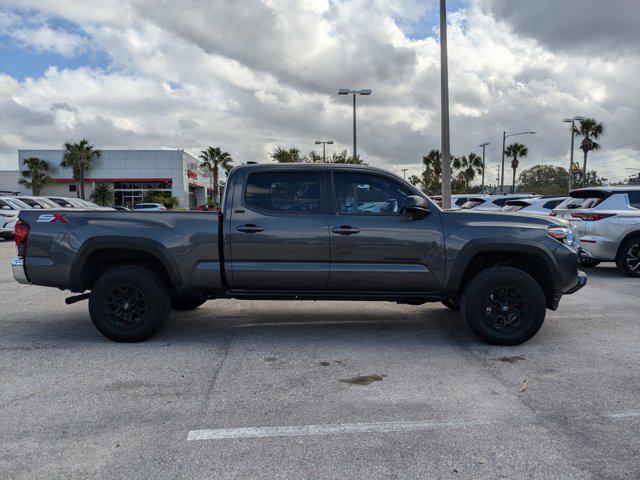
(312, 166)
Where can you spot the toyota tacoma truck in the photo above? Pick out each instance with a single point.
(304, 232)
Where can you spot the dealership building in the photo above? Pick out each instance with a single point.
(131, 174)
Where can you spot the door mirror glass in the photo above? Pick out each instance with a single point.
(416, 206)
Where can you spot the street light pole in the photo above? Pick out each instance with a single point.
(444, 109)
(483, 145)
(347, 91)
(505, 135)
(572, 121)
(324, 143)
(404, 173)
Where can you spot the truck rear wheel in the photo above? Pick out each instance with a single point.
(129, 304)
(503, 306)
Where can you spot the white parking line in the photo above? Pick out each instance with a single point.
(329, 429)
(627, 414)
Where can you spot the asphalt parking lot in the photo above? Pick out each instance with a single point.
(319, 390)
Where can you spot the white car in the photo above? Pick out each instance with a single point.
(67, 202)
(608, 222)
(534, 205)
(492, 202)
(10, 207)
(149, 207)
(41, 203)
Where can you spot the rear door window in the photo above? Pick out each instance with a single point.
(551, 204)
(283, 192)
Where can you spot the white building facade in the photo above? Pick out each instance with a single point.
(131, 174)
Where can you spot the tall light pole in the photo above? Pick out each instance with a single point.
(404, 173)
(324, 144)
(506, 135)
(572, 121)
(444, 109)
(483, 146)
(347, 91)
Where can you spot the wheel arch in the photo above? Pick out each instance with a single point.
(634, 233)
(96, 255)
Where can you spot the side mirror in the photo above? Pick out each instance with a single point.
(416, 206)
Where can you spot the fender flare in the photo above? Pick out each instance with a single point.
(145, 245)
(481, 245)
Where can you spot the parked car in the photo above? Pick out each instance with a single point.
(150, 207)
(608, 221)
(68, 202)
(457, 200)
(39, 203)
(122, 208)
(536, 205)
(298, 231)
(492, 202)
(64, 202)
(10, 207)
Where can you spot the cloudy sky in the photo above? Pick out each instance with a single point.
(250, 75)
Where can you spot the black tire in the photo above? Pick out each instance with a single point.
(129, 304)
(503, 306)
(589, 262)
(628, 260)
(190, 303)
(451, 305)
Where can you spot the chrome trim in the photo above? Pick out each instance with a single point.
(19, 273)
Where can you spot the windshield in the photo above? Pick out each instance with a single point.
(471, 203)
(63, 202)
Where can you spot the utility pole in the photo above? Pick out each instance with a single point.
(444, 109)
(404, 173)
(347, 91)
(483, 145)
(324, 144)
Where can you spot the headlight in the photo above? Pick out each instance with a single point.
(564, 235)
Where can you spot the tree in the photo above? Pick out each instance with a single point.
(36, 175)
(465, 170)
(431, 177)
(514, 151)
(214, 158)
(344, 157)
(589, 129)
(103, 195)
(79, 158)
(552, 180)
(290, 155)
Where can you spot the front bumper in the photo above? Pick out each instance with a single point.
(581, 282)
(18, 270)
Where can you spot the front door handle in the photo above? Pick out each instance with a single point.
(250, 228)
(345, 230)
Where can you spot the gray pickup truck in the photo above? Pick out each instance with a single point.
(299, 232)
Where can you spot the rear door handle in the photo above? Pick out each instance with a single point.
(250, 228)
(345, 230)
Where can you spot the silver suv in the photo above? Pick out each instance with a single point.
(608, 221)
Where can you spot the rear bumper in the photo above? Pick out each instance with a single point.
(18, 270)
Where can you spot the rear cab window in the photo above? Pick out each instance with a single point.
(283, 192)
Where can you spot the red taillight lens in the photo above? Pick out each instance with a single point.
(20, 234)
(592, 217)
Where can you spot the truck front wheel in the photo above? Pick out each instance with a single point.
(503, 306)
(129, 304)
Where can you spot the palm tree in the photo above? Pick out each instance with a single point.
(36, 175)
(589, 129)
(514, 151)
(469, 166)
(103, 195)
(213, 158)
(287, 155)
(79, 158)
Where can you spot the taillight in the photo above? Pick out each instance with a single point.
(592, 217)
(553, 214)
(20, 234)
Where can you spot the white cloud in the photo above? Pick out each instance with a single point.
(249, 75)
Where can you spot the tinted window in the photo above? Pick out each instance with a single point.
(634, 199)
(31, 203)
(460, 201)
(471, 203)
(357, 193)
(5, 206)
(287, 192)
(551, 204)
(501, 201)
(62, 202)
